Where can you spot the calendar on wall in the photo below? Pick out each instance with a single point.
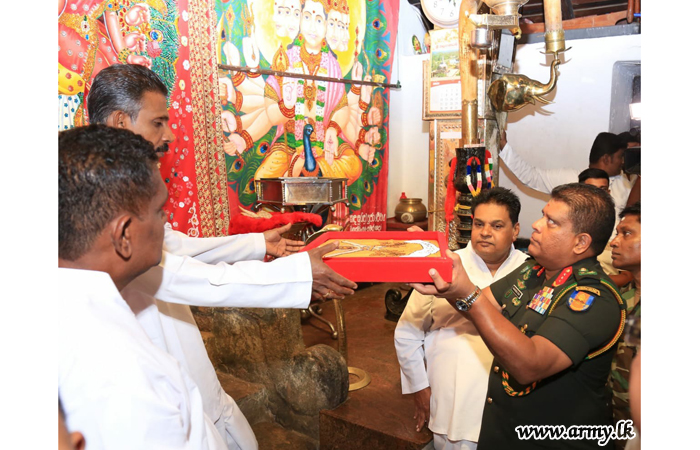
(442, 92)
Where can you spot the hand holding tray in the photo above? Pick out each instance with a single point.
(387, 256)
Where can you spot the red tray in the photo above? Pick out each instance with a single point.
(388, 269)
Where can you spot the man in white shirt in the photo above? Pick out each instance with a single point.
(607, 153)
(200, 271)
(449, 394)
(118, 388)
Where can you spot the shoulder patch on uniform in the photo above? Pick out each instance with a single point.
(589, 289)
(579, 301)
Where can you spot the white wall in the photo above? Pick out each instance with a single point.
(408, 135)
(561, 134)
(549, 136)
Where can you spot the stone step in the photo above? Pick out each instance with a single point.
(252, 398)
(362, 425)
(272, 436)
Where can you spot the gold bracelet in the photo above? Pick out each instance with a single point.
(247, 138)
(286, 112)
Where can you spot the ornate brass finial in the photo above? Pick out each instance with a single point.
(513, 91)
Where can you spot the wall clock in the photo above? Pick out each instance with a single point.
(443, 13)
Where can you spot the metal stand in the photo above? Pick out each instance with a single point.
(364, 378)
(313, 195)
(315, 311)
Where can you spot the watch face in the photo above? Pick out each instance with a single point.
(444, 13)
(461, 305)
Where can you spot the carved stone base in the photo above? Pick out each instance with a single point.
(265, 346)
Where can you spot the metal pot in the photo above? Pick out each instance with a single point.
(410, 210)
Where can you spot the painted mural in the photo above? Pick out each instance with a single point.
(281, 126)
(292, 127)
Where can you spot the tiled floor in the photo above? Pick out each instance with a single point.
(378, 413)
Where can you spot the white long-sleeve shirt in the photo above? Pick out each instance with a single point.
(545, 180)
(209, 280)
(118, 388)
(430, 331)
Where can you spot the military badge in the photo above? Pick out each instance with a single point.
(526, 276)
(589, 289)
(516, 301)
(584, 271)
(518, 293)
(520, 283)
(509, 293)
(525, 269)
(580, 301)
(563, 276)
(541, 301)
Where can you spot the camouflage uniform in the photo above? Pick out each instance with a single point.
(618, 382)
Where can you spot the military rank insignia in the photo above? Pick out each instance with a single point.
(541, 301)
(580, 301)
(563, 276)
(583, 271)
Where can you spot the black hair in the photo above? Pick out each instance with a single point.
(121, 87)
(592, 172)
(633, 135)
(605, 144)
(102, 171)
(499, 196)
(633, 210)
(591, 210)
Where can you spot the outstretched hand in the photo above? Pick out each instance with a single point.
(328, 284)
(461, 285)
(277, 246)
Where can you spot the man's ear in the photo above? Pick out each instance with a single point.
(78, 440)
(516, 231)
(122, 235)
(118, 119)
(583, 242)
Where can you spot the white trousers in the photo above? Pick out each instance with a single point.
(441, 442)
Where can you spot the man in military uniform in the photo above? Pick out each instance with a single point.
(627, 255)
(553, 329)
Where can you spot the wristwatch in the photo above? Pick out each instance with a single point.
(465, 304)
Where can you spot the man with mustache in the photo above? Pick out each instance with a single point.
(200, 271)
(551, 324)
(449, 394)
(118, 388)
(627, 255)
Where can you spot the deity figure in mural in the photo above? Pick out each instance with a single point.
(287, 16)
(338, 32)
(318, 125)
(94, 34)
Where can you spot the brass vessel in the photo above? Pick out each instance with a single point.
(410, 210)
